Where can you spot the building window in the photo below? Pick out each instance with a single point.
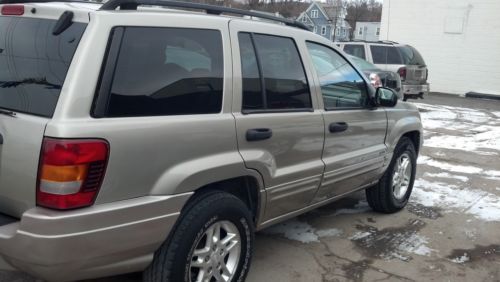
(314, 14)
(343, 31)
(304, 19)
(378, 31)
(337, 32)
(315, 30)
(323, 30)
(360, 32)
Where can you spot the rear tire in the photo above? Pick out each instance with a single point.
(213, 238)
(393, 191)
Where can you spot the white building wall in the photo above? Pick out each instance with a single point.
(369, 30)
(459, 40)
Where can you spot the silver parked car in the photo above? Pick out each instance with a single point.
(378, 77)
(392, 56)
(157, 140)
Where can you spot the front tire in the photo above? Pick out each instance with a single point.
(393, 191)
(213, 241)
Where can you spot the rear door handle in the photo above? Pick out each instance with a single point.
(336, 127)
(257, 134)
(1, 139)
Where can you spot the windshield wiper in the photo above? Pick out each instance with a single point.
(7, 113)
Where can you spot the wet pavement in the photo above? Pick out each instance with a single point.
(448, 232)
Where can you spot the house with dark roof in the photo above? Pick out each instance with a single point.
(327, 20)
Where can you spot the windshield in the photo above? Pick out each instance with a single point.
(34, 63)
(411, 56)
(362, 64)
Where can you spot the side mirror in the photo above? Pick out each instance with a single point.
(386, 97)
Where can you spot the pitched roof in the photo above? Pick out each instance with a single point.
(331, 10)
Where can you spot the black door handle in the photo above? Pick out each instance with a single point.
(1, 139)
(338, 127)
(257, 134)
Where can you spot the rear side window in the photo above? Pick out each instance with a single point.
(411, 56)
(355, 50)
(273, 74)
(167, 71)
(34, 63)
(386, 55)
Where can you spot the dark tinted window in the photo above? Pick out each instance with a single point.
(252, 90)
(341, 85)
(285, 83)
(34, 63)
(167, 71)
(355, 50)
(386, 55)
(411, 56)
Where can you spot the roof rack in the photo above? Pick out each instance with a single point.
(210, 9)
(376, 41)
(47, 1)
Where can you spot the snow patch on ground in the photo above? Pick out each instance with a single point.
(392, 244)
(487, 139)
(478, 203)
(461, 259)
(360, 207)
(294, 230)
(332, 232)
(359, 235)
(448, 166)
(416, 244)
(447, 175)
(470, 134)
(301, 231)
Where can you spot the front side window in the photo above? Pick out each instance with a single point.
(273, 76)
(167, 71)
(342, 87)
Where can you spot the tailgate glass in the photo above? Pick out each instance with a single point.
(411, 56)
(34, 63)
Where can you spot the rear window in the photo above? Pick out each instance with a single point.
(386, 55)
(34, 63)
(411, 56)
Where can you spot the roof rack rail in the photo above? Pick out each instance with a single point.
(47, 1)
(210, 9)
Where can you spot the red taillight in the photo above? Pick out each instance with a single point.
(12, 10)
(71, 172)
(402, 73)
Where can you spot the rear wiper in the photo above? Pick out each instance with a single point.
(7, 113)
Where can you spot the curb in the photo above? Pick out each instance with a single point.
(482, 96)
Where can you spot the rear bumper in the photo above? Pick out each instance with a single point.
(98, 241)
(415, 89)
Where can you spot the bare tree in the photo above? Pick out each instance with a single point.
(362, 10)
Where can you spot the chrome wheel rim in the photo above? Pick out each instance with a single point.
(401, 176)
(216, 254)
